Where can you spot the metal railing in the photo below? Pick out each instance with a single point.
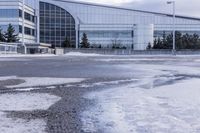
(8, 48)
(133, 52)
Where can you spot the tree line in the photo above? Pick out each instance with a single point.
(9, 36)
(84, 42)
(183, 41)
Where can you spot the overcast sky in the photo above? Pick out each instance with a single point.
(183, 7)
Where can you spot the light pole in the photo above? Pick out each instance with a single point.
(23, 43)
(174, 32)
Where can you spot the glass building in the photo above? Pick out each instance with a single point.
(54, 21)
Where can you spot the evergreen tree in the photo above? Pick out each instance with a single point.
(2, 38)
(149, 46)
(66, 43)
(10, 34)
(186, 41)
(183, 41)
(164, 41)
(179, 40)
(195, 41)
(84, 42)
(169, 40)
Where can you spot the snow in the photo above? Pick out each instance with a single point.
(24, 102)
(115, 82)
(134, 108)
(135, 59)
(41, 81)
(81, 54)
(12, 59)
(9, 125)
(27, 89)
(25, 55)
(173, 108)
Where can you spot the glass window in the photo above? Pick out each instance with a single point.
(20, 13)
(20, 29)
(9, 13)
(27, 16)
(55, 25)
(33, 32)
(27, 31)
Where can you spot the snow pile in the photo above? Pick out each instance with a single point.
(13, 59)
(82, 54)
(41, 81)
(25, 55)
(135, 59)
(24, 102)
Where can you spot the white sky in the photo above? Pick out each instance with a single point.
(183, 7)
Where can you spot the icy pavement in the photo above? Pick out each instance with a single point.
(10, 125)
(24, 102)
(109, 94)
(40, 81)
(28, 101)
(161, 102)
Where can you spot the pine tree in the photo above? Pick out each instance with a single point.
(10, 34)
(149, 47)
(2, 38)
(66, 43)
(84, 42)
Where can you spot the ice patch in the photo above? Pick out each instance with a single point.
(41, 81)
(51, 87)
(108, 83)
(27, 89)
(9, 125)
(172, 108)
(26, 101)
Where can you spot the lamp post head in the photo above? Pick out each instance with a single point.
(170, 2)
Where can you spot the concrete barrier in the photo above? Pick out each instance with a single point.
(59, 51)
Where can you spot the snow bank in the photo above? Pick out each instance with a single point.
(41, 81)
(81, 54)
(137, 59)
(26, 55)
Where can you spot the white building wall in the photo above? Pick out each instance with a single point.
(17, 4)
(143, 36)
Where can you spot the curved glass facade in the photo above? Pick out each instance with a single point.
(55, 25)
